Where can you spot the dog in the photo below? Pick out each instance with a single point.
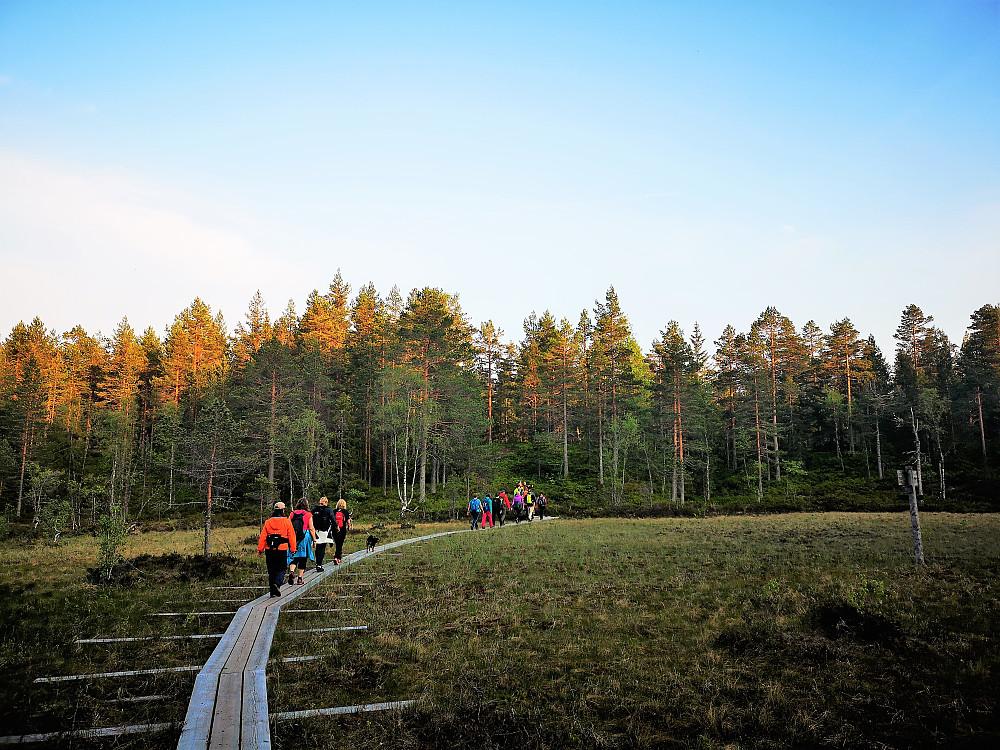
(372, 543)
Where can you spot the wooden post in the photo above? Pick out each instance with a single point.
(908, 480)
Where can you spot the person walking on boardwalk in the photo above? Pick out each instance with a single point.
(342, 523)
(305, 536)
(277, 541)
(487, 504)
(323, 522)
(529, 503)
(474, 511)
(502, 504)
(518, 506)
(542, 503)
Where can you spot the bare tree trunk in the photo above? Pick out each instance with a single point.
(941, 469)
(600, 444)
(878, 447)
(915, 424)
(982, 429)
(565, 430)
(208, 506)
(918, 543)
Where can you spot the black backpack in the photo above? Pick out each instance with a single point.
(298, 523)
(322, 518)
(274, 541)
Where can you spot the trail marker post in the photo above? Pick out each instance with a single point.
(908, 482)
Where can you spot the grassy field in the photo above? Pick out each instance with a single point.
(800, 630)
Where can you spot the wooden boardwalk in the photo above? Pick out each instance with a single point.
(228, 708)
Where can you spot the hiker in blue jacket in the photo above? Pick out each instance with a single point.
(475, 509)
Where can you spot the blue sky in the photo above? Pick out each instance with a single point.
(707, 159)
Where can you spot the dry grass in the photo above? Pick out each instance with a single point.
(799, 630)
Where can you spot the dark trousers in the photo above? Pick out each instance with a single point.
(277, 561)
(501, 515)
(320, 554)
(541, 511)
(338, 538)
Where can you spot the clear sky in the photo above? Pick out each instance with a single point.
(708, 159)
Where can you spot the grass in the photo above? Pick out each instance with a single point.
(801, 630)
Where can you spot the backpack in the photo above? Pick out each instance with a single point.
(299, 524)
(322, 518)
(340, 517)
(274, 541)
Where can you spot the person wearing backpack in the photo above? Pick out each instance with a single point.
(305, 536)
(502, 504)
(529, 504)
(487, 505)
(342, 523)
(323, 522)
(518, 506)
(277, 541)
(475, 508)
(542, 504)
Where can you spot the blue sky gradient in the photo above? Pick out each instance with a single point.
(708, 159)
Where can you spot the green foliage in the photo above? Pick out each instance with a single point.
(112, 536)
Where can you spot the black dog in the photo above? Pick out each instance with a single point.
(371, 544)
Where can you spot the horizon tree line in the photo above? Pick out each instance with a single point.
(371, 393)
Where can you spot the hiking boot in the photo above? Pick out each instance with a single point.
(319, 568)
(301, 581)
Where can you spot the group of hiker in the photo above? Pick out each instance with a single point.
(289, 543)
(486, 512)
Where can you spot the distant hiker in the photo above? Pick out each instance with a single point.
(342, 523)
(323, 521)
(529, 504)
(277, 541)
(502, 505)
(305, 535)
(517, 506)
(475, 509)
(487, 505)
(540, 505)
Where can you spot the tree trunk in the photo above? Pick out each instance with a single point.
(208, 506)
(916, 441)
(982, 429)
(918, 543)
(878, 447)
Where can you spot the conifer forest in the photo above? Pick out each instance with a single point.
(401, 402)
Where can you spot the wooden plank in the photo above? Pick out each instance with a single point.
(262, 645)
(255, 732)
(102, 675)
(198, 721)
(146, 638)
(140, 699)
(185, 614)
(330, 630)
(339, 710)
(293, 659)
(243, 644)
(226, 713)
(87, 734)
(297, 611)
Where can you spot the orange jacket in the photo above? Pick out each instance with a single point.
(277, 525)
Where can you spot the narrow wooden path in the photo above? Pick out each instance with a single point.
(228, 707)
